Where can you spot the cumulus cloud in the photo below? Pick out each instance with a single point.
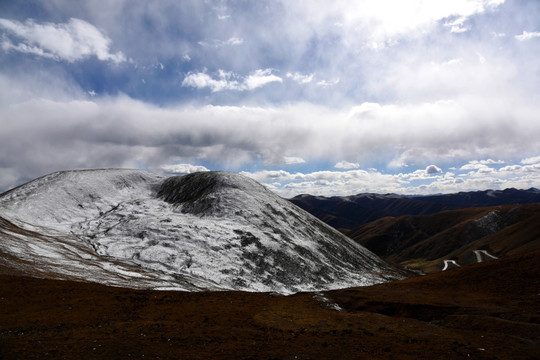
(71, 41)
(491, 161)
(531, 160)
(526, 35)
(261, 78)
(230, 81)
(180, 169)
(433, 169)
(480, 164)
(330, 183)
(202, 80)
(510, 168)
(346, 165)
(325, 182)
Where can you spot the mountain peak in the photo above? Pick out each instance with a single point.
(195, 186)
(204, 230)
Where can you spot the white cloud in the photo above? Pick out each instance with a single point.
(326, 182)
(300, 78)
(510, 168)
(429, 173)
(480, 164)
(433, 169)
(183, 168)
(203, 80)
(230, 81)
(233, 41)
(346, 165)
(382, 20)
(491, 161)
(527, 35)
(456, 26)
(330, 183)
(325, 83)
(531, 160)
(260, 78)
(7, 45)
(292, 160)
(71, 41)
(115, 131)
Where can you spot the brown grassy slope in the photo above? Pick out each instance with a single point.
(426, 240)
(486, 311)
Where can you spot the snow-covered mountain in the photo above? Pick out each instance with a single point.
(202, 231)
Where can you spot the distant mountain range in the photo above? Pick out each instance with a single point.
(348, 212)
(430, 233)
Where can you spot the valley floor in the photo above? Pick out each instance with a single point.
(489, 310)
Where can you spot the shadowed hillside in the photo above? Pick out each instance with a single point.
(349, 212)
(423, 242)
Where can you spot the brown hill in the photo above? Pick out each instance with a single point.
(485, 311)
(424, 242)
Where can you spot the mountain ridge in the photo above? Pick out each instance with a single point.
(425, 241)
(349, 212)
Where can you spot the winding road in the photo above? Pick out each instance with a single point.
(452, 263)
(448, 263)
(479, 253)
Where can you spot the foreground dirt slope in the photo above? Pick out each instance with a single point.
(485, 311)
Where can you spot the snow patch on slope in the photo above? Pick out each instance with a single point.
(60, 199)
(490, 222)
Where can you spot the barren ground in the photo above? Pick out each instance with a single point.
(484, 311)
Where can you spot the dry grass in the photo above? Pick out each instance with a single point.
(485, 311)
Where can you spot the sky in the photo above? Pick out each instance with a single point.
(318, 97)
